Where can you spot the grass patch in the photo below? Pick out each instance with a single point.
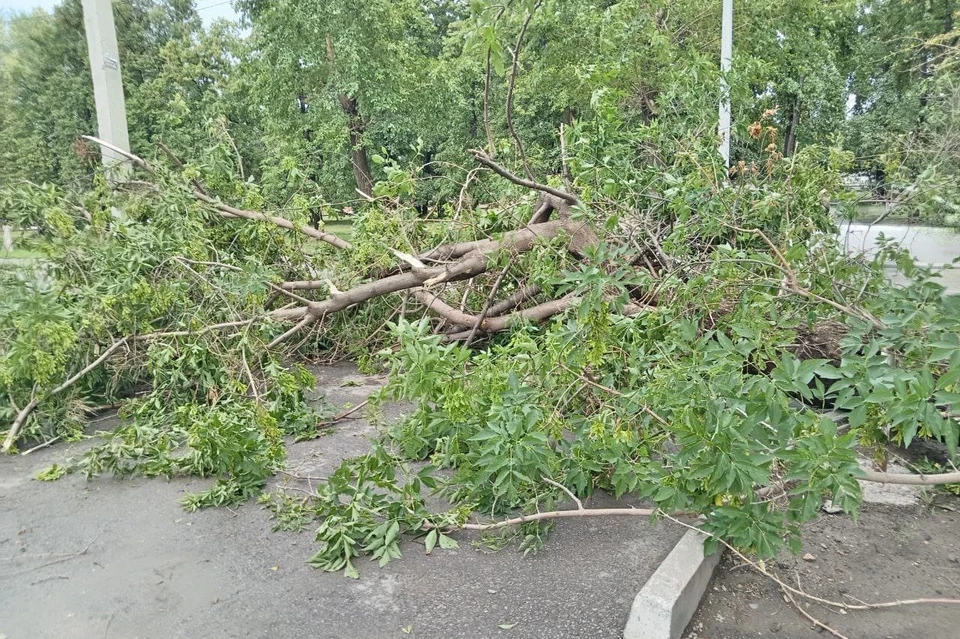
(341, 228)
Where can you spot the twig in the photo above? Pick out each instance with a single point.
(107, 629)
(813, 619)
(796, 591)
(49, 442)
(342, 415)
(303, 477)
(61, 559)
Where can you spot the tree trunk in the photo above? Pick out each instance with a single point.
(355, 127)
(790, 139)
(358, 153)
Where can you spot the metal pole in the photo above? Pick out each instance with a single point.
(107, 84)
(726, 57)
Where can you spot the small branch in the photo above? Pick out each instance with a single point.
(49, 442)
(562, 514)
(35, 401)
(303, 285)
(566, 490)
(914, 480)
(510, 86)
(514, 300)
(143, 164)
(22, 416)
(173, 158)
(342, 415)
(537, 313)
(486, 304)
(229, 211)
(649, 411)
(488, 162)
(794, 285)
(813, 619)
(307, 320)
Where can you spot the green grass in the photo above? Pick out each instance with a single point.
(341, 228)
(24, 243)
(19, 254)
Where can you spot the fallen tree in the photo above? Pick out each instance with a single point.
(680, 353)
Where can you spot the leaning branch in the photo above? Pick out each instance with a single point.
(24, 413)
(469, 266)
(510, 86)
(35, 401)
(229, 211)
(488, 162)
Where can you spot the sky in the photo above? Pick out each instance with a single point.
(209, 10)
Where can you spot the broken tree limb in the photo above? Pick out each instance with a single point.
(229, 211)
(537, 313)
(513, 300)
(470, 265)
(24, 413)
(488, 162)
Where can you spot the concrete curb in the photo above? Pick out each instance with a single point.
(666, 603)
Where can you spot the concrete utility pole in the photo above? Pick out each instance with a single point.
(107, 84)
(726, 57)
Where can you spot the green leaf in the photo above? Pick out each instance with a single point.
(448, 543)
(431, 540)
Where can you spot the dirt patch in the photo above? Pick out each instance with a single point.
(891, 553)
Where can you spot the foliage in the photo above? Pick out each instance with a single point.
(702, 317)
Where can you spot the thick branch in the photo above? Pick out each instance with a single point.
(537, 313)
(471, 265)
(513, 300)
